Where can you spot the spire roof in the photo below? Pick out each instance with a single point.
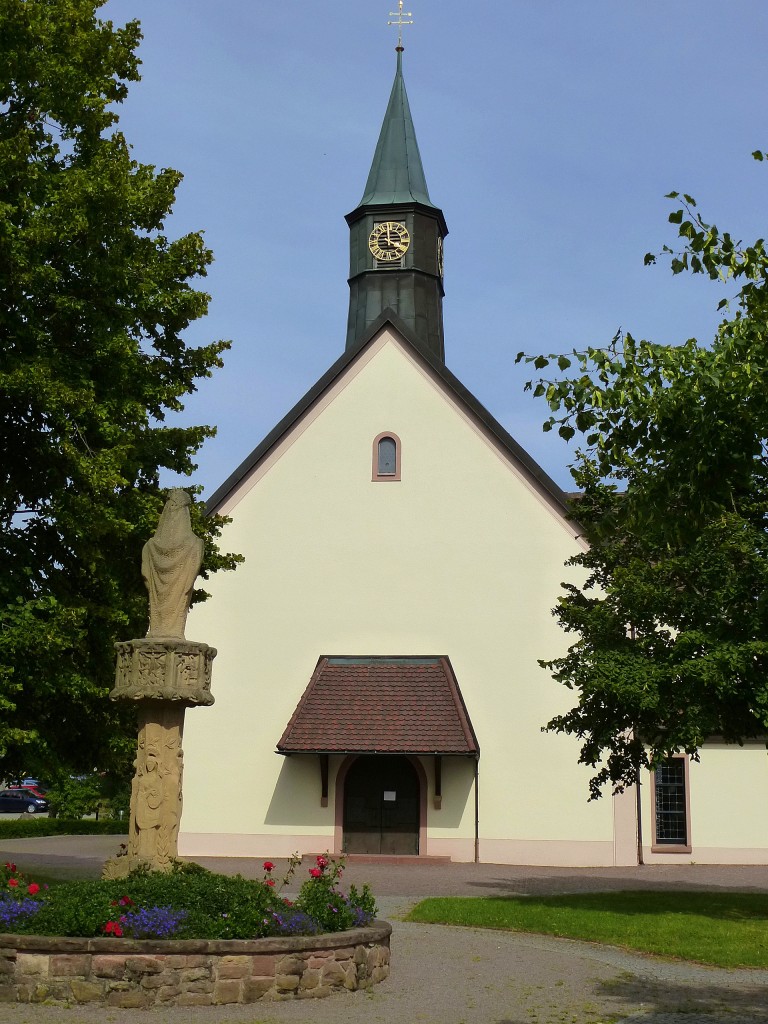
(396, 174)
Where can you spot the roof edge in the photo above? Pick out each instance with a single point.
(389, 318)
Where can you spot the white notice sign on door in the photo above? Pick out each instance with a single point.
(390, 795)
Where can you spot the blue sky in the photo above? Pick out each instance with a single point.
(549, 130)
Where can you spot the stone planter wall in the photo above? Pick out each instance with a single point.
(190, 972)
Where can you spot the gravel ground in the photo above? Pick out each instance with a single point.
(444, 975)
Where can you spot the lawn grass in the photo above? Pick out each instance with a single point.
(725, 929)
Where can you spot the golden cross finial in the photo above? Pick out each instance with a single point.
(400, 14)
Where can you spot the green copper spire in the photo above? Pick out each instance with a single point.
(396, 174)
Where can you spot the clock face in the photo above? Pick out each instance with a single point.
(389, 241)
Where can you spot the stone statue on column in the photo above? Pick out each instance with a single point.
(170, 562)
(164, 674)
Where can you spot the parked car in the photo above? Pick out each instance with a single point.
(20, 799)
(36, 790)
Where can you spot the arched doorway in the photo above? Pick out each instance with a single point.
(381, 806)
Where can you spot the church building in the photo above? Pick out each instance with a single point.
(377, 683)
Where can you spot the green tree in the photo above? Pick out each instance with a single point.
(671, 621)
(94, 300)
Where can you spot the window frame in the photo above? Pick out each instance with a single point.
(376, 476)
(673, 847)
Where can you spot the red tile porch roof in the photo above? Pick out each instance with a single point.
(407, 705)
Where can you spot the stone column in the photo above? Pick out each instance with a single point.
(164, 678)
(164, 674)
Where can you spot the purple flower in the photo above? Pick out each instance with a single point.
(153, 922)
(14, 911)
(297, 923)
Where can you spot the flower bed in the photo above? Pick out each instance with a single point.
(187, 902)
(187, 937)
(190, 972)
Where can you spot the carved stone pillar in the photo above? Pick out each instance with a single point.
(164, 678)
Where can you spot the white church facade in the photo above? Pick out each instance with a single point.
(377, 683)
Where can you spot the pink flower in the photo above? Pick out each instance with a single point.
(268, 865)
(12, 882)
(315, 872)
(126, 901)
(33, 888)
(322, 862)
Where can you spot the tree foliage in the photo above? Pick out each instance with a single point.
(94, 300)
(671, 622)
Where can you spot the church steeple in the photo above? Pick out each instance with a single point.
(396, 234)
(397, 174)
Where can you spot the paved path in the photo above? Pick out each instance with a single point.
(444, 975)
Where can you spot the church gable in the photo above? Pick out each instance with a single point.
(391, 375)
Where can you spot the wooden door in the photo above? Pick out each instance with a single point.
(381, 806)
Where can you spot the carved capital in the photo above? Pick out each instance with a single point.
(168, 669)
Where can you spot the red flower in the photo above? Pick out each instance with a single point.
(32, 888)
(322, 862)
(315, 872)
(11, 867)
(268, 865)
(12, 882)
(269, 881)
(126, 901)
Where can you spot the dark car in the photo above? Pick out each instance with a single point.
(19, 800)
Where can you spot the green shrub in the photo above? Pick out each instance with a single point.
(29, 828)
(74, 798)
(321, 900)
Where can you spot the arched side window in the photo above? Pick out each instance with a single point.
(386, 456)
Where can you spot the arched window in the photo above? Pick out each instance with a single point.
(386, 456)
